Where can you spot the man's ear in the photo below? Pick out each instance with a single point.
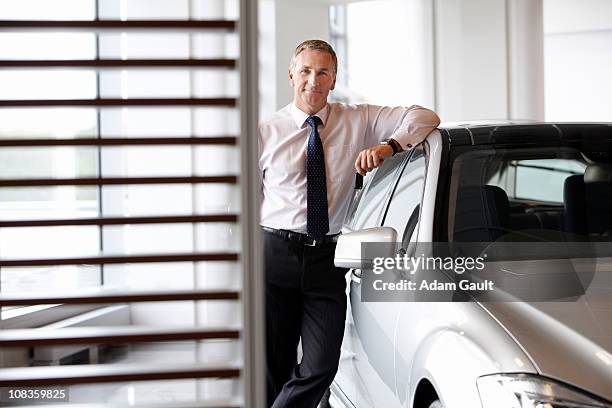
(333, 84)
(291, 78)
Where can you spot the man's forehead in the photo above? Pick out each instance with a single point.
(314, 59)
(325, 68)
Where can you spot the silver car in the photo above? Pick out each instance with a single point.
(539, 340)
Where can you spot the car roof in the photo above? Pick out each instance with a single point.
(523, 133)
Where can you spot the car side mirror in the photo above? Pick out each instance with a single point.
(348, 248)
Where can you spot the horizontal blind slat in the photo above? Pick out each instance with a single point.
(122, 220)
(99, 373)
(20, 299)
(117, 181)
(115, 63)
(117, 141)
(118, 102)
(227, 403)
(117, 25)
(109, 335)
(106, 260)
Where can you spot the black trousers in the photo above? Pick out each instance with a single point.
(305, 297)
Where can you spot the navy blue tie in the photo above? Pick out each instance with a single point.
(317, 220)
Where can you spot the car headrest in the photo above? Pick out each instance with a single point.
(574, 201)
(498, 197)
(598, 173)
(588, 204)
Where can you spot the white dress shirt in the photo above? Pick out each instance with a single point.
(345, 131)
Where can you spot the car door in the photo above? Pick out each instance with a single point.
(366, 211)
(375, 322)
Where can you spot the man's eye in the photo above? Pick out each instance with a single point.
(304, 71)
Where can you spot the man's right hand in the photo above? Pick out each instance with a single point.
(369, 159)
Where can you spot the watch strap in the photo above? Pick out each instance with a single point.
(394, 145)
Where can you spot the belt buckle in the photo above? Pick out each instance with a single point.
(314, 243)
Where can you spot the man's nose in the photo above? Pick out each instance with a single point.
(312, 80)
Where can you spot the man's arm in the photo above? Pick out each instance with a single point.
(408, 126)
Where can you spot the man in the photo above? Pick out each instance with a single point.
(309, 152)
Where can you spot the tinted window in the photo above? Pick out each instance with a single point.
(543, 179)
(535, 194)
(404, 207)
(537, 179)
(368, 206)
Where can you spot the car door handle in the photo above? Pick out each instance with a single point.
(356, 275)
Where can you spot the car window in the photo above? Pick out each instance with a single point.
(368, 206)
(530, 194)
(537, 179)
(405, 204)
(543, 179)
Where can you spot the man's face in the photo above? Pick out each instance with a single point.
(312, 78)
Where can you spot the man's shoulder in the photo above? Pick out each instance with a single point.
(277, 118)
(342, 108)
(367, 108)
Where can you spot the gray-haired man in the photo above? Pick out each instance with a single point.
(309, 152)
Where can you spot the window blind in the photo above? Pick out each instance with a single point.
(237, 219)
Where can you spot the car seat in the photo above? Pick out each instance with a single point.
(587, 201)
(481, 214)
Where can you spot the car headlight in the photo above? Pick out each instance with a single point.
(530, 391)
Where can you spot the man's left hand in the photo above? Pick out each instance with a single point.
(369, 159)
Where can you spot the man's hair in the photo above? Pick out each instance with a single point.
(317, 45)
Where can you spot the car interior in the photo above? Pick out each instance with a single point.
(488, 213)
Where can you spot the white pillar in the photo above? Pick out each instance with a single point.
(422, 37)
(525, 59)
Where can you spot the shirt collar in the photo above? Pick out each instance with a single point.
(300, 117)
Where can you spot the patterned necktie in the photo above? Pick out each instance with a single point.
(317, 220)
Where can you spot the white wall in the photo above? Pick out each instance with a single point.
(468, 59)
(578, 60)
(268, 80)
(294, 24)
(391, 62)
(284, 24)
(562, 16)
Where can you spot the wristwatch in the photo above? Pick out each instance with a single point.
(394, 145)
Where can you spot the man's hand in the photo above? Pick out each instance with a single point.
(371, 158)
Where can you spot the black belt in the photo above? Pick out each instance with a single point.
(303, 239)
